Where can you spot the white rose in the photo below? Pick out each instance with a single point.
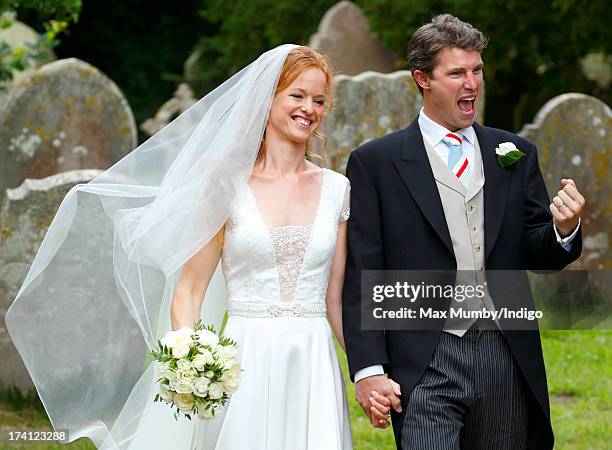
(231, 378)
(164, 368)
(188, 375)
(181, 351)
(215, 391)
(209, 374)
(199, 362)
(165, 394)
(504, 148)
(178, 338)
(172, 385)
(230, 384)
(203, 358)
(234, 370)
(226, 352)
(214, 348)
(200, 386)
(206, 337)
(184, 402)
(183, 365)
(170, 375)
(210, 358)
(184, 386)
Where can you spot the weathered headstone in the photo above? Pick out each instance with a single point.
(344, 36)
(66, 115)
(573, 133)
(183, 99)
(26, 214)
(370, 105)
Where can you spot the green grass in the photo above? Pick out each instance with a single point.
(579, 380)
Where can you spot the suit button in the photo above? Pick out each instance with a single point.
(480, 268)
(470, 208)
(473, 228)
(477, 248)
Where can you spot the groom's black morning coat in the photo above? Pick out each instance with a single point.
(397, 222)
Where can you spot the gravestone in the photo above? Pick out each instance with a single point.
(573, 134)
(26, 214)
(66, 115)
(344, 36)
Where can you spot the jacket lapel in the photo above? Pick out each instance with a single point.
(415, 171)
(497, 182)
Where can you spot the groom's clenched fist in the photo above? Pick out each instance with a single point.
(376, 395)
(566, 207)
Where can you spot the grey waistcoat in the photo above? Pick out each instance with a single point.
(464, 213)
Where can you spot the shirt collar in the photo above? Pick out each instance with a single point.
(434, 132)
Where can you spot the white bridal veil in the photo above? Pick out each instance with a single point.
(98, 294)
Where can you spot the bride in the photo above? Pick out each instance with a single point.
(283, 250)
(132, 253)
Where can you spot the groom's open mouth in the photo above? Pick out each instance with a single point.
(467, 105)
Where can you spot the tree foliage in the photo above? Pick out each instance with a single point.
(243, 29)
(533, 54)
(534, 48)
(56, 16)
(141, 45)
(534, 51)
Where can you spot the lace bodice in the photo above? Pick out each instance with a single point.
(287, 266)
(290, 245)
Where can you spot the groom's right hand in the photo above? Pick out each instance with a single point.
(376, 385)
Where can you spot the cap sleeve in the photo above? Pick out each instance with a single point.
(345, 209)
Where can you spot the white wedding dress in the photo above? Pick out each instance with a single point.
(291, 394)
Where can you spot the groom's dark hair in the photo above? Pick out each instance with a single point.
(444, 31)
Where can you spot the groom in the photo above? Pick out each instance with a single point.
(434, 196)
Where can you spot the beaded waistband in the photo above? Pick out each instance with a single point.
(291, 309)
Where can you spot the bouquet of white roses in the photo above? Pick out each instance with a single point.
(197, 371)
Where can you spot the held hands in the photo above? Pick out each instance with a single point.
(566, 207)
(377, 395)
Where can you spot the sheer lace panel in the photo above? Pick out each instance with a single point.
(290, 244)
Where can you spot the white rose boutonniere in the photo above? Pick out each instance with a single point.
(507, 154)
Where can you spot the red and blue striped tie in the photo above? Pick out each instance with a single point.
(457, 161)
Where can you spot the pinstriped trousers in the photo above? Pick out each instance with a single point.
(471, 397)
